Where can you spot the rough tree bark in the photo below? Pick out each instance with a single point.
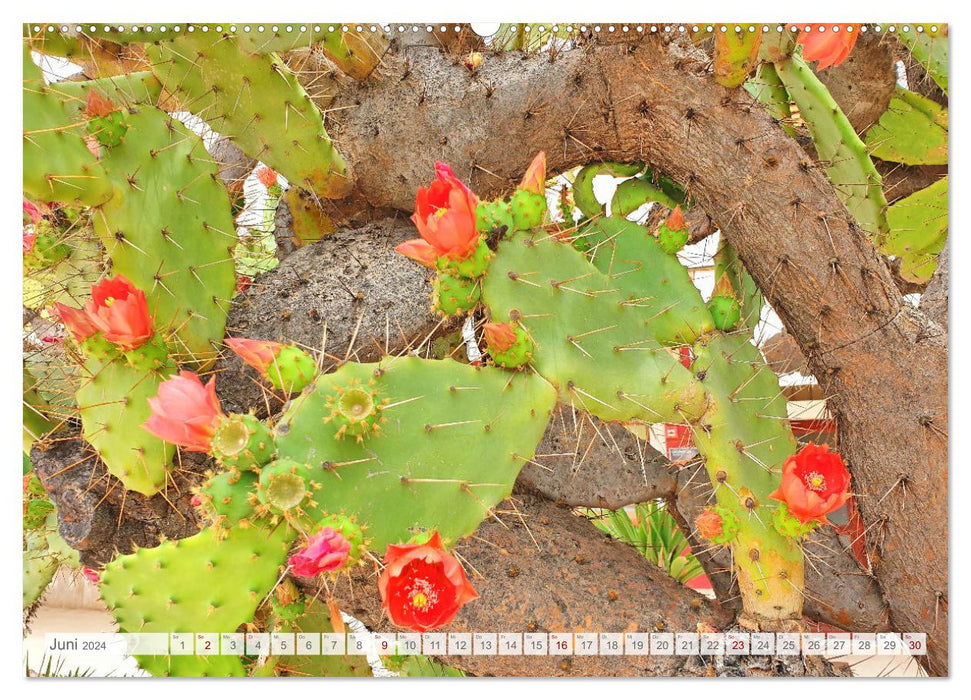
(540, 569)
(883, 363)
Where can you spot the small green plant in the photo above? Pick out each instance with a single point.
(653, 532)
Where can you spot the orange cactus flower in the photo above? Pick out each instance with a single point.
(830, 48)
(422, 586)
(445, 218)
(814, 482)
(117, 309)
(185, 412)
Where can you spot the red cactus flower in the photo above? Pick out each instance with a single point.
(821, 43)
(422, 586)
(445, 217)
(499, 336)
(675, 220)
(326, 550)
(267, 177)
(258, 354)
(98, 105)
(185, 412)
(90, 574)
(196, 500)
(243, 283)
(709, 524)
(814, 482)
(535, 178)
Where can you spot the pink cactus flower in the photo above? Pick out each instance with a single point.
(327, 550)
(185, 412)
(90, 574)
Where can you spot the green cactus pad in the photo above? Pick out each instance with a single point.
(583, 194)
(848, 166)
(631, 194)
(736, 54)
(653, 282)
(292, 370)
(57, 164)
(169, 230)
(453, 295)
(728, 265)
(454, 442)
(528, 209)
(212, 582)
(766, 87)
(913, 131)
(918, 231)
(113, 402)
(242, 442)
(494, 216)
(257, 100)
(593, 343)
(744, 438)
(316, 618)
(930, 49)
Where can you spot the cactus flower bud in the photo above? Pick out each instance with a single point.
(675, 220)
(185, 412)
(117, 309)
(90, 574)
(717, 524)
(98, 105)
(422, 586)
(286, 367)
(510, 346)
(830, 48)
(814, 482)
(258, 354)
(499, 336)
(535, 178)
(326, 550)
